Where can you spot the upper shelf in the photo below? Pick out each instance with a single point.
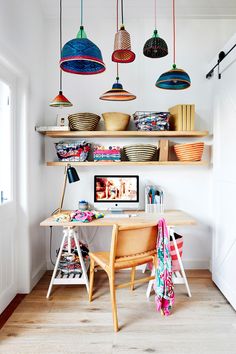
(126, 133)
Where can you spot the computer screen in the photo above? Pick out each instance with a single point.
(116, 189)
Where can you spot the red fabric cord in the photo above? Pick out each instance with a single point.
(174, 35)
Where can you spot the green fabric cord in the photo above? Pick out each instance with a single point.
(81, 34)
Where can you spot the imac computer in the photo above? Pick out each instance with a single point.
(116, 193)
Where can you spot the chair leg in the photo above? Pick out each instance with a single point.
(91, 279)
(113, 301)
(132, 278)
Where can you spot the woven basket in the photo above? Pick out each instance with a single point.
(140, 152)
(189, 152)
(116, 121)
(83, 121)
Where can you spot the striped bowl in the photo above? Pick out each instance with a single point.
(189, 152)
(140, 152)
(83, 121)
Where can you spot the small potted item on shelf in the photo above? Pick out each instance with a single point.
(151, 121)
(116, 121)
(72, 150)
(83, 205)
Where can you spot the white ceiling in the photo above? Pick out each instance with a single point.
(141, 8)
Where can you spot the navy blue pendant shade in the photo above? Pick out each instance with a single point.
(72, 175)
(81, 56)
(174, 79)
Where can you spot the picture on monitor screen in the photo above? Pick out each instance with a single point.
(116, 189)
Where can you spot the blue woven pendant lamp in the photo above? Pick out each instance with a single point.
(60, 100)
(174, 79)
(155, 47)
(80, 55)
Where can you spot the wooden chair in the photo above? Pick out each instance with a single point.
(130, 246)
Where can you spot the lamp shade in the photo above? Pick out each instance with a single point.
(155, 47)
(60, 101)
(72, 175)
(117, 93)
(81, 56)
(122, 47)
(174, 79)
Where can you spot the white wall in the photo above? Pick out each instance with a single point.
(187, 188)
(224, 175)
(22, 50)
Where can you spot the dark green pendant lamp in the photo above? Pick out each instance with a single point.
(155, 47)
(174, 79)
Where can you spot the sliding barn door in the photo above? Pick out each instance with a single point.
(224, 186)
(8, 215)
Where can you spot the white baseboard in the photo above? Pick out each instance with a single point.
(38, 274)
(196, 263)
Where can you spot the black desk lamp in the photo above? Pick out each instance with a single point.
(70, 173)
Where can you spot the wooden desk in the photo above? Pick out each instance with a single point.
(172, 217)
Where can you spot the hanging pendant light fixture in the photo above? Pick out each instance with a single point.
(155, 47)
(122, 45)
(60, 100)
(174, 79)
(117, 93)
(80, 55)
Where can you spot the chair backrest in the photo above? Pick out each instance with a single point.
(131, 240)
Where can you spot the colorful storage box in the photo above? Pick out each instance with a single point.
(72, 150)
(111, 153)
(151, 121)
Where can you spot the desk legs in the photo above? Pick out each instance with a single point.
(58, 278)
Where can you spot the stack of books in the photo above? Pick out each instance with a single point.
(111, 153)
(182, 117)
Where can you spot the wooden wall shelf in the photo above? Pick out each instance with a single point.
(125, 134)
(127, 163)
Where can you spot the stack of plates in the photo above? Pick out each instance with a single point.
(189, 152)
(83, 121)
(140, 152)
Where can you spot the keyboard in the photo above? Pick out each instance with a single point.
(121, 216)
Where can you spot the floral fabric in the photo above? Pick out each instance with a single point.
(164, 285)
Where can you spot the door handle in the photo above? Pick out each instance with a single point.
(2, 197)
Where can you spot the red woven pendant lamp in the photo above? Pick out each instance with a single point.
(60, 100)
(117, 93)
(122, 45)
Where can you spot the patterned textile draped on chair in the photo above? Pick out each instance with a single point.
(164, 285)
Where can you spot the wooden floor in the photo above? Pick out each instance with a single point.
(67, 323)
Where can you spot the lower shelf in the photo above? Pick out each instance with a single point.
(125, 163)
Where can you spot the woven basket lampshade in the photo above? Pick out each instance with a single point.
(81, 56)
(60, 101)
(174, 79)
(122, 47)
(117, 93)
(155, 47)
